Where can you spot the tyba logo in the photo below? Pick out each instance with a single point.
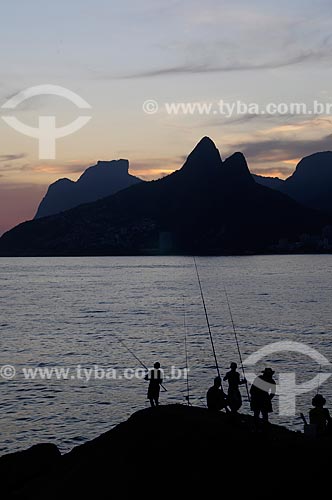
(287, 389)
(46, 132)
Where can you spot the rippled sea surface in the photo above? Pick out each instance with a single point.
(65, 312)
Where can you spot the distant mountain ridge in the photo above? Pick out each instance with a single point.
(310, 184)
(101, 180)
(270, 182)
(209, 206)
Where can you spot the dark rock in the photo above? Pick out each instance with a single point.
(19, 468)
(270, 182)
(310, 184)
(237, 168)
(178, 449)
(204, 159)
(98, 181)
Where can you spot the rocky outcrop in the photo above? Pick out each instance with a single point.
(177, 450)
(237, 169)
(204, 159)
(270, 182)
(18, 469)
(310, 184)
(101, 180)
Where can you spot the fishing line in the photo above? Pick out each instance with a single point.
(207, 319)
(320, 371)
(237, 342)
(186, 351)
(136, 357)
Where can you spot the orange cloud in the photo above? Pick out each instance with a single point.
(151, 173)
(155, 168)
(293, 161)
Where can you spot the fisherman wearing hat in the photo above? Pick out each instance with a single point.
(234, 399)
(320, 416)
(262, 392)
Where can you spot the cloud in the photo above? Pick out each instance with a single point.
(242, 119)
(61, 169)
(12, 167)
(206, 67)
(217, 121)
(263, 151)
(28, 104)
(287, 120)
(46, 171)
(18, 156)
(234, 38)
(304, 125)
(278, 171)
(154, 168)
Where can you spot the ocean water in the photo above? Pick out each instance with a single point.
(65, 312)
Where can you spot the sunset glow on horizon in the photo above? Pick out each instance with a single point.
(179, 51)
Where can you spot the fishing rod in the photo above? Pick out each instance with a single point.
(237, 342)
(319, 375)
(186, 351)
(207, 319)
(136, 357)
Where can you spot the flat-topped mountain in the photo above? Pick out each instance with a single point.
(100, 180)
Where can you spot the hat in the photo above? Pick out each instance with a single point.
(318, 400)
(268, 371)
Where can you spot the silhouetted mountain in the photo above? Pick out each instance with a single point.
(236, 169)
(98, 181)
(310, 184)
(205, 153)
(206, 207)
(270, 182)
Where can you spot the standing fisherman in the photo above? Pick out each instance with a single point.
(262, 392)
(155, 378)
(234, 399)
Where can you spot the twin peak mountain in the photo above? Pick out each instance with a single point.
(209, 206)
(108, 177)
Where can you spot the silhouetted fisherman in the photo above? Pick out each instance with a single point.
(262, 392)
(234, 399)
(155, 378)
(215, 397)
(320, 416)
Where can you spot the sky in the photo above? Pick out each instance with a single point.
(119, 55)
